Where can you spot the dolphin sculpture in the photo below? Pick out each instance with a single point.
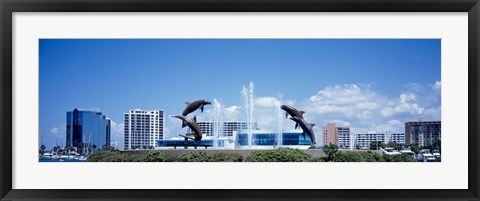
(289, 110)
(191, 107)
(192, 124)
(307, 128)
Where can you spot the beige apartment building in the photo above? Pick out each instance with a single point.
(330, 134)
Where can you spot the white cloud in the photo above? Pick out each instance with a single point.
(366, 110)
(116, 133)
(232, 113)
(54, 136)
(406, 97)
(58, 131)
(416, 87)
(173, 127)
(433, 112)
(342, 95)
(55, 130)
(117, 129)
(266, 102)
(437, 86)
(407, 104)
(338, 122)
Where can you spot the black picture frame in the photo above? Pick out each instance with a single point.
(7, 7)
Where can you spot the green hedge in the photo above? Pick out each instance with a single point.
(203, 157)
(399, 158)
(349, 157)
(158, 156)
(223, 157)
(371, 157)
(113, 156)
(276, 155)
(280, 155)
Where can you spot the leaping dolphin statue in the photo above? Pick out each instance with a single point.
(307, 128)
(192, 124)
(293, 112)
(191, 107)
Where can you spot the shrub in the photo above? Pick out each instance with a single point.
(128, 157)
(280, 155)
(276, 155)
(372, 157)
(318, 159)
(351, 156)
(348, 157)
(112, 156)
(399, 158)
(156, 156)
(203, 157)
(193, 157)
(223, 157)
(101, 156)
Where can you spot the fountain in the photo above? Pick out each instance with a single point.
(217, 121)
(249, 107)
(280, 122)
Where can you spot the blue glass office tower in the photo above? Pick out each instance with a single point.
(87, 128)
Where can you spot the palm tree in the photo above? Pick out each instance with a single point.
(56, 149)
(42, 149)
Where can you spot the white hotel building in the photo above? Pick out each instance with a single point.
(345, 138)
(143, 128)
(364, 140)
(226, 128)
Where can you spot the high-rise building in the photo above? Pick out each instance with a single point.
(87, 130)
(395, 137)
(344, 137)
(143, 128)
(226, 128)
(422, 132)
(329, 134)
(364, 140)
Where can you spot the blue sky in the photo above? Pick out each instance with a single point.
(346, 81)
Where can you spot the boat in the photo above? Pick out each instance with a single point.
(425, 156)
(408, 152)
(46, 155)
(389, 151)
(82, 158)
(437, 155)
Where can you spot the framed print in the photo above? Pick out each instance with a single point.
(188, 100)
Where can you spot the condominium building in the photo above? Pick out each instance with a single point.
(226, 128)
(87, 130)
(363, 140)
(345, 139)
(422, 132)
(395, 137)
(143, 128)
(330, 134)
